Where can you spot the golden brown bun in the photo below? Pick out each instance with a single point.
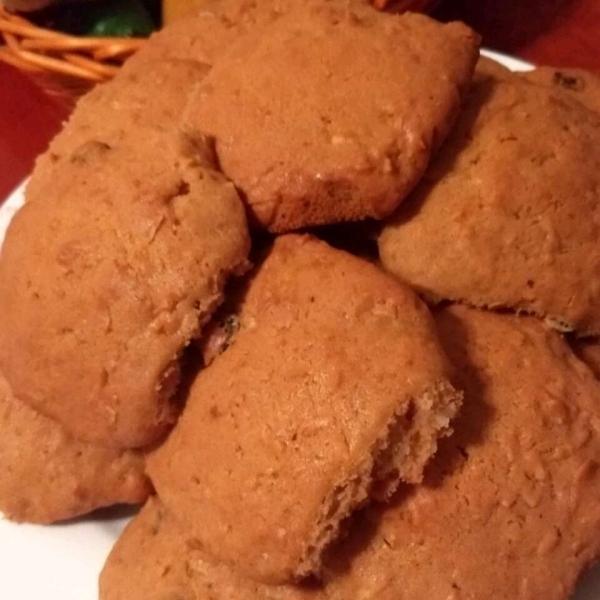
(332, 391)
(334, 114)
(509, 213)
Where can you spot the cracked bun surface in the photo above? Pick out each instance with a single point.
(333, 390)
(508, 507)
(111, 278)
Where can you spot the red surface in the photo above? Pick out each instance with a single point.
(554, 32)
(28, 120)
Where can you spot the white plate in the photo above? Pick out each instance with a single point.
(62, 562)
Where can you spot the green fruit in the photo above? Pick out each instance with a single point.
(120, 18)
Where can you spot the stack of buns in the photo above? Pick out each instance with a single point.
(320, 286)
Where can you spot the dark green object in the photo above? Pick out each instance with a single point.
(119, 18)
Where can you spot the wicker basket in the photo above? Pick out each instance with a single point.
(67, 66)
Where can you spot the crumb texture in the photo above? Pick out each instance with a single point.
(508, 215)
(151, 560)
(333, 364)
(290, 140)
(507, 510)
(127, 108)
(509, 507)
(46, 475)
(207, 32)
(110, 278)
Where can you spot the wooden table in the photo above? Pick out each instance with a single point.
(554, 32)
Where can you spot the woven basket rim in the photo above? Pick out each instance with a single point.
(39, 50)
